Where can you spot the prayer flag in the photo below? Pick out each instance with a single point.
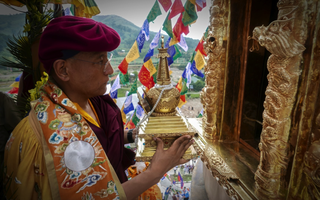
(190, 13)
(114, 95)
(184, 89)
(154, 12)
(199, 60)
(128, 105)
(145, 29)
(135, 118)
(171, 51)
(167, 26)
(116, 84)
(130, 125)
(177, 54)
(173, 41)
(195, 70)
(166, 4)
(180, 179)
(182, 100)
(205, 35)
(145, 78)
(155, 41)
(200, 114)
(134, 88)
(179, 84)
(123, 67)
(67, 12)
(123, 115)
(200, 4)
(149, 65)
(140, 40)
(124, 78)
(183, 43)
(200, 48)
(176, 9)
(133, 53)
(139, 112)
(180, 28)
(148, 55)
(187, 74)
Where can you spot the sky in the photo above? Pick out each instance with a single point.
(136, 11)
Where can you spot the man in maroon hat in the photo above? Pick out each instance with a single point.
(71, 146)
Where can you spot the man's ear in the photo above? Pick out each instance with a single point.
(61, 70)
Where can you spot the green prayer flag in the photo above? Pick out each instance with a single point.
(192, 57)
(155, 74)
(167, 26)
(206, 33)
(124, 78)
(177, 54)
(200, 115)
(189, 14)
(134, 88)
(134, 118)
(154, 12)
(184, 89)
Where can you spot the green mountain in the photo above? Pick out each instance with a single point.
(13, 25)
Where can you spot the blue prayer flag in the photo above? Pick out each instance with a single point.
(145, 29)
(155, 40)
(183, 43)
(195, 70)
(140, 40)
(148, 55)
(114, 94)
(128, 105)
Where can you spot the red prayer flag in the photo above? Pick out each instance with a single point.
(13, 90)
(130, 125)
(200, 48)
(176, 9)
(183, 98)
(166, 4)
(123, 67)
(179, 28)
(144, 77)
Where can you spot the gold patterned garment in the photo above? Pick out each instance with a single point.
(54, 154)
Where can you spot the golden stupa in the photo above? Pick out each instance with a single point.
(162, 118)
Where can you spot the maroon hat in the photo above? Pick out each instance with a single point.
(74, 34)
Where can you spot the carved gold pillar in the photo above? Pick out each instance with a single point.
(212, 93)
(284, 38)
(305, 173)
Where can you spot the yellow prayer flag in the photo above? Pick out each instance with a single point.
(199, 60)
(149, 65)
(179, 85)
(133, 53)
(123, 115)
(181, 103)
(173, 40)
(170, 72)
(15, 84)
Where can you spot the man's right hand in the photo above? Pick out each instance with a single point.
(164, 160)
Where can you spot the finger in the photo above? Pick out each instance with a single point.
(177, 143)
(159, 144)
(181, 148)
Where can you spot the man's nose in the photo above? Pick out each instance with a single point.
(108, 70)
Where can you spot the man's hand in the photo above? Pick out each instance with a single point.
(164, 160)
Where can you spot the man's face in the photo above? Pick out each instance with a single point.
(89, 78)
